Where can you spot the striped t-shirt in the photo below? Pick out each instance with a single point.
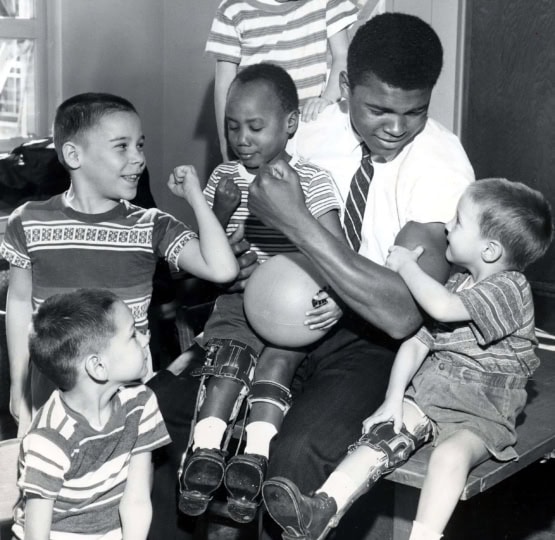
(117, 250)
(293, 35)
(499, 338)
(82, 469)
(266, 242)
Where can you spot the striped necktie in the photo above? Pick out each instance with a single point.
(356, 200)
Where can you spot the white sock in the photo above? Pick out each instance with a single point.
(209, 433)
(259, 435)
(422, 532)
(341, 487)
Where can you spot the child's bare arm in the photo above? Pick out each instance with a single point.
(225, 73)
(431, 295)
(210, 257)
(135, 507)
(338, 43)
(38, 518)
(409, 358)
(19, 309)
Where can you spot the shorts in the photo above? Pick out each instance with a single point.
(456, 397)
(228, 321)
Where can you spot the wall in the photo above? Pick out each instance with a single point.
(189, 131)
(116, 46)
(509, 127)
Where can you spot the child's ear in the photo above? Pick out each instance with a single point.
(292, 123)
(70, 151)
(492, 252)
(96, 368)
(344, 85)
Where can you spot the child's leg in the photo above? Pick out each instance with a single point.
(269, 399)
(373, 455)
(270, 396)
(447, 473)
(364, 464)
(228, 367)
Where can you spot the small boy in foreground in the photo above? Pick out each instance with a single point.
(85, 464)
(459, 381)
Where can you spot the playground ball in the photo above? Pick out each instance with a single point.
(278, 295)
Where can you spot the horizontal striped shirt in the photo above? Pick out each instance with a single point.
(117, 250)
(84, 470)
(499, 338)
(266, 242)
(293, 35)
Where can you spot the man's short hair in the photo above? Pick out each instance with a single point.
(82, 112)
(279, 80)
(401, 50)
(66, 328)
(515, 215)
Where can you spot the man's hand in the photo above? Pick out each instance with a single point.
(399, 256)
(247, 259)
(275, 196)
(226, 199)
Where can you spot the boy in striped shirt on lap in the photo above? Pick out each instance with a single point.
(85, 464)
(261, 115)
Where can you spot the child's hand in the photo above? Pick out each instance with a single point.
(184, 182)
(387, 411)
(325, 314)
(399, 256)
(227, 197)
(313, 107)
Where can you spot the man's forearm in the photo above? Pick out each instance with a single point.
(374, 292)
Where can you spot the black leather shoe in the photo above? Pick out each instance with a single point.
(202, 475)
(309, 518)
(243, 480)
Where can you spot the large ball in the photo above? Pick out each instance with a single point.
(277, 296)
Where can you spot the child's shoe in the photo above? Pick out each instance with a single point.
(243, 480)
(309, 518)
(202, 476)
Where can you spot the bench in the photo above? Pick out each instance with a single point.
(536, 437)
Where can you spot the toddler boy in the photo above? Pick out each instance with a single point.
(467, 371)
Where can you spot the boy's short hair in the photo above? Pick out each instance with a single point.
(66, 328)
(82, 112)
(279, 80)
(402, 50)
(515, 215)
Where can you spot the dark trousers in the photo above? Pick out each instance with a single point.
(176, 399)
(339, 384)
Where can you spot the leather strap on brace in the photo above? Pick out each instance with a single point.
(398, 447)
(228, 358)
(270, 392)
